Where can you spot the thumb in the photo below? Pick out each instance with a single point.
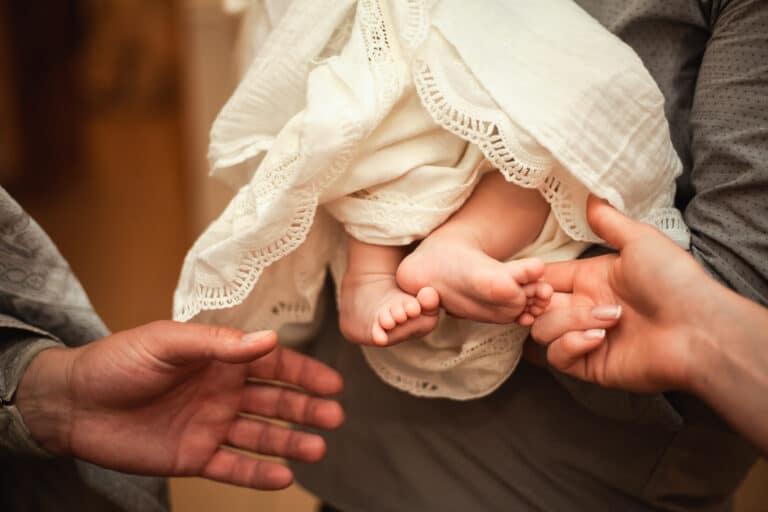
(181, 344)
(610, 224)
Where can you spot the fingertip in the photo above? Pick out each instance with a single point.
(594, 201)
(574, 345)
(311, 448)
(241, 348)
(609, 223)
(596, 335)
(328, 415)
(279, 477)
(333, 415)
(255, 344)
(261, 338)
(333, 384)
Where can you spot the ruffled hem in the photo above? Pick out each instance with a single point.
(491, 132)
(439, 382)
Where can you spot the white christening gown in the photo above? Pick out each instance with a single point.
(376, 118)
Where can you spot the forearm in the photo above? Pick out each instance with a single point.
(729, 365)
(18, 348)
(44, 401)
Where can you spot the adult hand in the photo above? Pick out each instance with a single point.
(679, 328)
(660, 292)
(169, 398)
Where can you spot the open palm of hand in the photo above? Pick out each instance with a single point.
(170, 399)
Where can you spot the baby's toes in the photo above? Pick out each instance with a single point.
(414, 328)
(412, 307)
(379, 335)
(527, 270)
(526, 319)
(538, 292)
(505, 291)
(398, 313)
(386, 320)
(429, 300)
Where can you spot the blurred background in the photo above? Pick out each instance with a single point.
(105, 107)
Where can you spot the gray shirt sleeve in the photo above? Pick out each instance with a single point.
(19, 344)
(728, 215)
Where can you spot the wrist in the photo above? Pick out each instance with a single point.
(718, 325)
(43, 399)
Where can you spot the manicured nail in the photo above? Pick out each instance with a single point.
(594, 334)
(606, 312)
(254, 337)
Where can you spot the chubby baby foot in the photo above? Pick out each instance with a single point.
(374, 310)
(470, 283)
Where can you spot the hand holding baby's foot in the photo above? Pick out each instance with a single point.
(374, 310)
(470, 283)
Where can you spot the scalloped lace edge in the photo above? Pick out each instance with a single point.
(491, 138)
(252, 265)
(505, 343)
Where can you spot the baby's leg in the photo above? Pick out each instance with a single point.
(464, 258)
(372, 308)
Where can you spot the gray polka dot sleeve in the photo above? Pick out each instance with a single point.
(728, 214)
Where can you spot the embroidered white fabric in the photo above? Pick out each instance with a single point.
(378, 118)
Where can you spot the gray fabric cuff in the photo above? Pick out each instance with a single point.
(17, 349)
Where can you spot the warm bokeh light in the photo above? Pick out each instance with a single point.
(105, 107)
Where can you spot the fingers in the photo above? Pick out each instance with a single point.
(293, 406)
(289, 367)
(568, 352)
(560, 274)
(266, 438)
(180, 344)
(610, 224)
(556, 322)
(238, 469)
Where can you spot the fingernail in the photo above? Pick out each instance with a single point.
(594, 334)
(606, 312)
(254, 337)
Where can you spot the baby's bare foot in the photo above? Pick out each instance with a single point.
(470, 283)
(374, 310)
